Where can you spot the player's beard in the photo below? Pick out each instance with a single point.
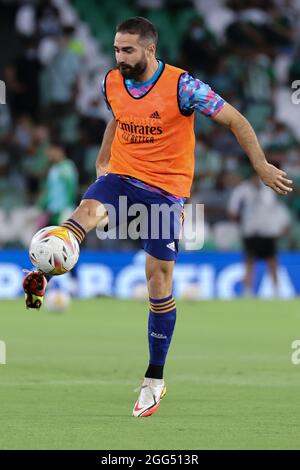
(133, 72)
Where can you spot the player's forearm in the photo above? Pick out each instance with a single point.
(239, 125)
(105, 149)
(269, 174)
(247, 139)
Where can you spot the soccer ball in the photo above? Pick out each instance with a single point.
(57, 300)
(54, 250)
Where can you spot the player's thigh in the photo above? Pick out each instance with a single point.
(164, 230)
(161, 246)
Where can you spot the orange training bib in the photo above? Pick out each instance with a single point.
(154, 140)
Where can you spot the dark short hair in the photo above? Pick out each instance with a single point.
(141, 26)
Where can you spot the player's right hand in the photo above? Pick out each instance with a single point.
(275, 178)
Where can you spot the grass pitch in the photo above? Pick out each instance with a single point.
(69, 379)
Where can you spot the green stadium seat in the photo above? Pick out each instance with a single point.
(103, 16)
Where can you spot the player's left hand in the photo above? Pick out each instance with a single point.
(275, 178)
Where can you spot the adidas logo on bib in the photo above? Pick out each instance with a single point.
(155, 115)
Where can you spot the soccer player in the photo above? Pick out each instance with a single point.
(147, 154)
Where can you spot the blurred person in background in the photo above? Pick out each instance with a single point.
(59, 195)
(11, 187)
(263, 219)
(22, 80)
(215, 199)
(60, 82)
(34, 162)
(197, 42)
(47, 19)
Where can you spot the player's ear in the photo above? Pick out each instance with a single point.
(151, 49)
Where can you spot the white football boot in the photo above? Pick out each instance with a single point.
(151, 392)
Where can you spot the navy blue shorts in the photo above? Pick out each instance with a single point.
(160, 219)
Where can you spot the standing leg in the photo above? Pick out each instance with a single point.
(162, 313)
(161, 323)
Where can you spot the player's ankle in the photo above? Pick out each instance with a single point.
(152, 381)
(154, 372)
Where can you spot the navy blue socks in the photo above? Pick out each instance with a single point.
(162, 318)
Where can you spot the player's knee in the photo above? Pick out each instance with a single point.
(159, 282)
(91, 213)
(157, 274)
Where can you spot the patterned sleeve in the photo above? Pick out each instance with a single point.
(195, 94)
